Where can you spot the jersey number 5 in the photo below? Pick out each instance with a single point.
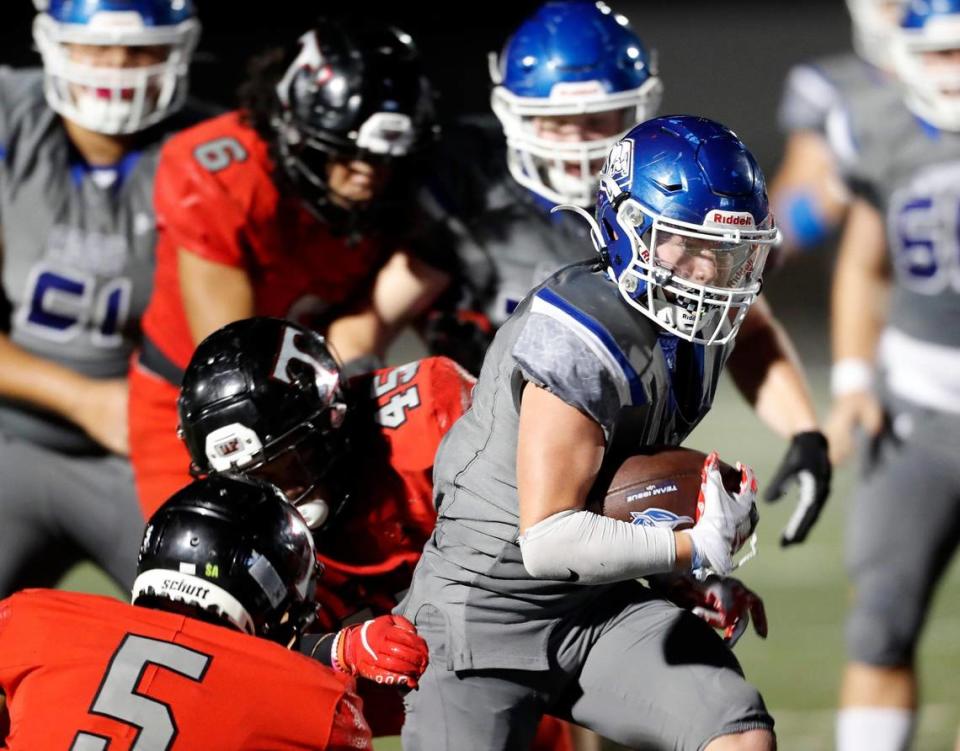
(118, 698)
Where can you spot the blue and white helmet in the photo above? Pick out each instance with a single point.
(569, 59)
(931, 82)
(874, 21)
(683, 223)
(115, 100)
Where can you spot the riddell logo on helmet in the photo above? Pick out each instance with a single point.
(730, 219)
(577, 88)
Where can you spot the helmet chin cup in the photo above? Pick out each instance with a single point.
(315, 512)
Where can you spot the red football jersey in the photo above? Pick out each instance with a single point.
(369, 559)
(214, 196)
(83, 671)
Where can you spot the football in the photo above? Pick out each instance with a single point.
(658, 487)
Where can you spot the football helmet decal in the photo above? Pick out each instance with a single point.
(683, 226)
(263, 397)
(576, 63)
(234, 548)
(86, 79)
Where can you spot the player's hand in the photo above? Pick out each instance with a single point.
(101, 410)
(385, 650)
(855, 409)
(724, 520)
(808, 463)
(728, 604)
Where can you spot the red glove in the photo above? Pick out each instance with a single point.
(385, 650)
(727, 603)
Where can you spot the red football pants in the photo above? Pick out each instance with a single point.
(161, 464)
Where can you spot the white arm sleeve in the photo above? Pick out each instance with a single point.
(588, 548)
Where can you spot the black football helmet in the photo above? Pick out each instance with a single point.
(263, 397)
(356, 92)
(228, 548)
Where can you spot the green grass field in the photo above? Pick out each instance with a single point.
(798, 667)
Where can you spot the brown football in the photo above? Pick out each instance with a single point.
(658, 487)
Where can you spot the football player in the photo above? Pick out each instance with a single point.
(896, 372)
(224, 560)
(300, 205)
(79, 143)
(527, 601)
(808, 193)
(265, 397)
(570, 80)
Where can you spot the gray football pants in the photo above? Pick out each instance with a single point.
(902, 530)
(636, 669)
(56, 509)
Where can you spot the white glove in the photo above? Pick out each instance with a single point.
(724, 520)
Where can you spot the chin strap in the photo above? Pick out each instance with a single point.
(594, 227)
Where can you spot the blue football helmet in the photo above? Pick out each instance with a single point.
(873, 23)
(116, 97)
(928, 29)
(570, 60)
(683, 225)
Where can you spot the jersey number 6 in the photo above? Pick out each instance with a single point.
(118, 698)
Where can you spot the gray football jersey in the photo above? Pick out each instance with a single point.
(910, 171)
(814, 89)
(78, 248)
(575, 336)
(507, 240)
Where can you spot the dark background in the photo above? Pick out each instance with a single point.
(726, 60)
(721, 59)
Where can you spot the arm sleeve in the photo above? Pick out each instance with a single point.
(587, 548)
(573, 366)
(194, 210)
